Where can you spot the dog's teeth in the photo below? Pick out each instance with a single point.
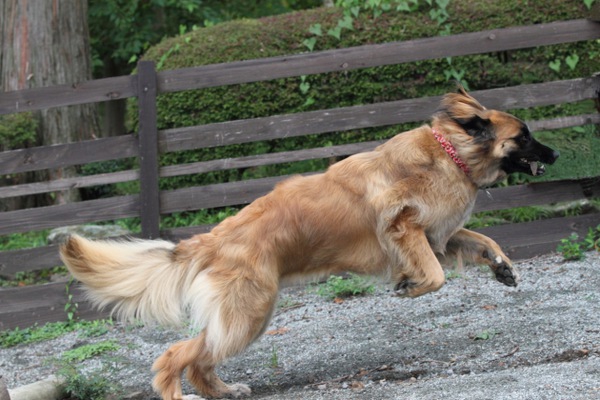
(534, 167)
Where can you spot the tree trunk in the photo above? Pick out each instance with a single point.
(114, 110)
(46, 43)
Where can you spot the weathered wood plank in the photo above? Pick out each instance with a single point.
(62, 155)
(537, 193)
(244, 192)
(530, 239)
(217, 195)
(372, 115)
(98, 90)
(30, 305)
(27, 189)
(32, 259)
(68, 214)
(148, 134)
(563, 122)
(378, 54)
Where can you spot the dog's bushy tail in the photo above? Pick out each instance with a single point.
(140, 277)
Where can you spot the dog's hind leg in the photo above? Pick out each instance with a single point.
(170, 365)
(245, 315)
(241, 310)
(477, 248)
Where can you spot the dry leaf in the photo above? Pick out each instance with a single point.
(279, 331)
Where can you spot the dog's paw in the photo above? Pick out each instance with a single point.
(505, 273)
(403, 288)
(238, 390)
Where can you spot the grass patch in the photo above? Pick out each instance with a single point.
(87, 351)
(341, 287)
(573, 248)
(52, 330)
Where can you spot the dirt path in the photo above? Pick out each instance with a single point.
(474, 339)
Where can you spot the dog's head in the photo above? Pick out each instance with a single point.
(493, 142)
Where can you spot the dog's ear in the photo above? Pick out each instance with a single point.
(461, 105)
(463, 109)
(460, 89)
(476, 126)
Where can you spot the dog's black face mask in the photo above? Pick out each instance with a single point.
(529, 157)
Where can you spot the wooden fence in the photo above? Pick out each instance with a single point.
(38, 304)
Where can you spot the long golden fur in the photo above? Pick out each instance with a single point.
(396, 212)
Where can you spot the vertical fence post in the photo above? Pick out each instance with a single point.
(148, 146)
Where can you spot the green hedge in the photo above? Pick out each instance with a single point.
(284, 34)
(17, 131)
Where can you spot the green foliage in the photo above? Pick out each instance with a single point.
(17, 131)
(23, 240)
(486, 334)
(71, 306)
(52, 330)
(340, 287)
(274, 362)
(121, 30)
(10, 338)
(453, 274)
(512, 215)
(87, 351)
(572, 248)
(201, 217)
(25, 278)
(91, 385)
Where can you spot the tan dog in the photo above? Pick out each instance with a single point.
(397, 212)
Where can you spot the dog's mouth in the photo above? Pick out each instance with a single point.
(526, 165)
(535, 167)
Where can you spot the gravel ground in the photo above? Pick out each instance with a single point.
(474, 339)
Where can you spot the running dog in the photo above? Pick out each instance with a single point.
(397, 211)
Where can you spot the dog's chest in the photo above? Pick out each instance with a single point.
(449, 217)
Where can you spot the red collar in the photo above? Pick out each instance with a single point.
(449, 148)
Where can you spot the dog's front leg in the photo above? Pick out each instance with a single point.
(480, 249)
(414, 266)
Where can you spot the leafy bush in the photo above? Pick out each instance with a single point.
(17, 131)
(572, 248)
(91, 385)
(284, 34)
